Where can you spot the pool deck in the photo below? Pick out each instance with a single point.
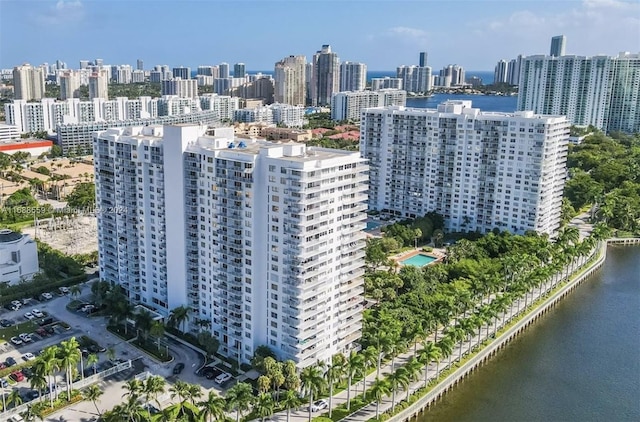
(438, 254)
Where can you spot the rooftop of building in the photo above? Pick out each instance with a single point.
(9, 236)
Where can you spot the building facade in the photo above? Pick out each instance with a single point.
(415, 79)
(353, 76)
(479, 170)
(601, 91)
(558, 45)
(271, 249)
(28, 82)
(386, 83)
(349, 105)
(326, 76)
(99, 85)
(18, 257)
(183, 88)
(69, 85)
(290, 80)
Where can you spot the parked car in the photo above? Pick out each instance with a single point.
(222, 378)
(50, 330)
(16, 340)
(17, 376)
(95, 348)
(6, 322)
(28, 356)
(13, 307)
(37, 313)
(32, 395)
(46, 296)
(46, 321)
(10, 361)
(27, 372)
(178, 368)
(25, 337)
(3, 383)
(64, 290)
(42, 332)
(319, 405)
(29, 316)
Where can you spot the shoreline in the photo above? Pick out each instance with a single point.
(423, 403)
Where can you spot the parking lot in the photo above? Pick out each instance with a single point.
(65, 324)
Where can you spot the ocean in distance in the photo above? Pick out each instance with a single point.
(581, 362)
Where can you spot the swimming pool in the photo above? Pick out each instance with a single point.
(372, 225)
(419, 260)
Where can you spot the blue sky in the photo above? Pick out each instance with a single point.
(381, 33)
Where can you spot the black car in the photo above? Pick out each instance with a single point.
(178, 368)
(27, 372)
(10, 361)
(94, 348)
(6, 322)
(32, 395)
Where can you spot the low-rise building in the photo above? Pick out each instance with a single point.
(35, 147)
(287, 134)
(18, 257)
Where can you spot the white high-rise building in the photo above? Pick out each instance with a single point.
(558, 44)
(386, 83)
(99, 85)
(326, 76)
(353, 76)
(349, 105)
(28, 82)
(480, 170)
(601, 91)
(290, 80)
(262, 240)
(501, 72)
(223, 69)
(183, 88)
(288, 115)
(415, 78)
(69, 85)
(513, 71)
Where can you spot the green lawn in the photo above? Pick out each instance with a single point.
(23, 327)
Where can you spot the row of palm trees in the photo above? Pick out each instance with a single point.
(190, 403)
(468, 315)
(55, 360)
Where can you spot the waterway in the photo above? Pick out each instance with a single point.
(581, 362)
(506, 104)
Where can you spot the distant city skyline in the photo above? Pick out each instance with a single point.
(474, 34)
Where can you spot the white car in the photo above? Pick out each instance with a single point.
(28, 356)
(16, 302)
(29, 316)
(47, 296)
(36, 313)
(25, 337)
(16, 341)
(64, 290)
(222, 378)
(319, 405)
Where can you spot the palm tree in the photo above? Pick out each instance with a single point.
(69, 355)
(264, 384)
(153, 387)
(312, 383)
(134, 388)
(93, 393)
(397, 380)
(157, 331)
(212, 408)
(111, 353)
(179, 316)
(131, 411)
(14, 397)
(379, 389)
(426, 355)
(264, 406)
(144, 322)
(31, 414)
(353, 367)
(446, 348)
(50, 364)
(38, 379)
(370, 356)
(74, 291)
(333, 375)
(194, 392)
(92, 360)
(291, 400)
(239, 398)
(413, 371)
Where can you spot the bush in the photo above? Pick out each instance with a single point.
(35, 288)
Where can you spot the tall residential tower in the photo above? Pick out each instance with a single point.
(479, 170)
(326, 76)
(263, 241)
